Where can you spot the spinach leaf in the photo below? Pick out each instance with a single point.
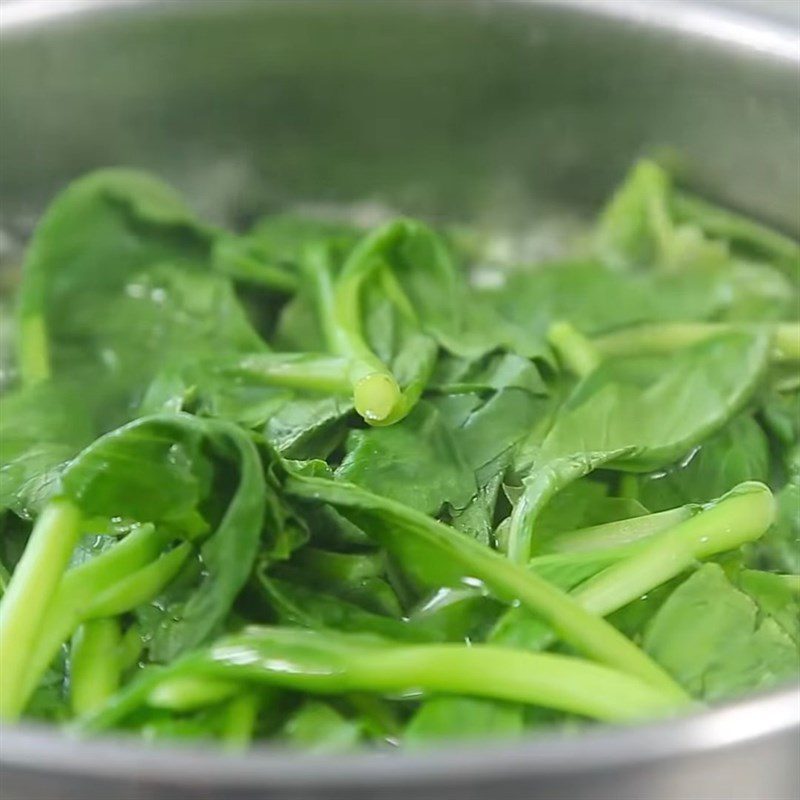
(775, 598)
(283, 394)
(709, 636)
(637, 229)
(354, 577)
(577, 292)
(417, 461)
(488, 373)
(638, 417)
(119, 252)
(490, 404)
(296, 604)
(307, 428)
(739, 452)
(102, 229)
(583, 504)
(449, 558)
(318, 728)
(347, 433)
(155, 469)
(463, 718)
(282, 240)
(780, 548)
(41, 428)
(649, 224)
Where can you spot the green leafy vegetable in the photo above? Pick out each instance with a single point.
(330, 487)
(328, 663)
(452, 719)
(456, 558)
(152, 470)
(418, 461)
(710, 637)
(631, 417)
(101, 230)
(41, 428)
(317, 728)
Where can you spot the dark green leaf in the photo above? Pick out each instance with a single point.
(637, 417)
(154, 469)
(296, 604)
(738, 453)
(417, 461)
(41, 428)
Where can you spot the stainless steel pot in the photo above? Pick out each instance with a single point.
(495, 113)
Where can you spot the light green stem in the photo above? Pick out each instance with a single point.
(387, 520)
(548, 680)
(581, 628)
(189, 693)
(634, 568)
(375, 393)
(324, 663)
(239, 720)
(375, 389)
(94, 664)
(130, 648)
(743, 515)
(25, 605)
(622, 532)
(666, 338)
(576, 351)
(628, 485)
(316, 373)
(140, 586)
(80, 588)
(426, 352)
(34, 351)
(786, 342)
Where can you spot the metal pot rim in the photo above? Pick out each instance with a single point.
(603, 748)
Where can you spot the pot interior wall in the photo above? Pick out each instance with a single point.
(492, 112)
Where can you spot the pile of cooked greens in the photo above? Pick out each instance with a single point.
(315, 484)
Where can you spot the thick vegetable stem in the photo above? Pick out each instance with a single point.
(239, 721)
(34, 351)
(743, 515)
(26, 603)
(128, 574)
(94, 664)
(332, 663)
(376, 394)
(393, 524)
(637, 567)
(620, 533)
(302, 371)
(189, 693)
(573, 348)
(666, 338)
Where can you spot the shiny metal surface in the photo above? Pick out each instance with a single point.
(494, 113)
